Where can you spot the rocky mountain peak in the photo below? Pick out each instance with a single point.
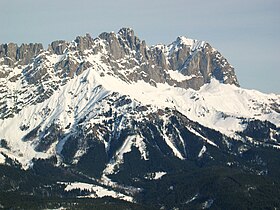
(133, 41)
(126, 32)
(182, 40)
(84, 42)
(58, 47)
(185, 63)
(194, 57)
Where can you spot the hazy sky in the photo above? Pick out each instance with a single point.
(246, 32)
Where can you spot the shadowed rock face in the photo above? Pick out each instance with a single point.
(58, 47)
(21, 55)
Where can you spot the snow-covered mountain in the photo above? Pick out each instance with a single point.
(121, 113)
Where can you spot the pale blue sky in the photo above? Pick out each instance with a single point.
(246, 32)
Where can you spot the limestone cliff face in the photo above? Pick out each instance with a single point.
(12, 54)
(58, 47)
(198, 61)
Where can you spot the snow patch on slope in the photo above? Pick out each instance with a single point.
(199, 135)
(158, 175)
(96, 191)
(202, 151)
(130, 141)
(155, 175)
(2, 159)
(170, 142)
(176, 75)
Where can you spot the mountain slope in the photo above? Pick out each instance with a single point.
(115, 116)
